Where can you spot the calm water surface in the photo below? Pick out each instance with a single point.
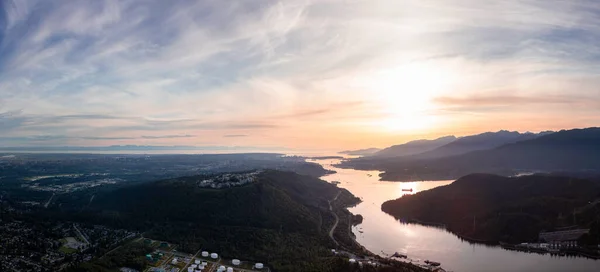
(382, 234)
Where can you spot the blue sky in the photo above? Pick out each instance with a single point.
(299, 74)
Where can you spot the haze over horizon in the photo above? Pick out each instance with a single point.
(329, 74)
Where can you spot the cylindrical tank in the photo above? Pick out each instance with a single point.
(204, 253)
(235, 262)
(229, 269)
(259, 266)
(214, 255)
(352, 261)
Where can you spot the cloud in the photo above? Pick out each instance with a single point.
(103, 138)
(543, 104)
(503, 100)
(168, 136)
(235, 135)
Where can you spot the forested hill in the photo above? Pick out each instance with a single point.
(494, 208)
(277, 200)
(279, 218)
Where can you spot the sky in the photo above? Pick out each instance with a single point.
(299, 74)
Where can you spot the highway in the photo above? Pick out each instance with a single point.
(337, 219)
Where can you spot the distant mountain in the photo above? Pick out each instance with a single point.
(414, 147)
(361, 152)
(482, 141)
(493, 208)
(564, 151)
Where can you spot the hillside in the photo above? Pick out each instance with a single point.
(281, 218)
(493, 208)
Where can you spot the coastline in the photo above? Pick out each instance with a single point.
(355, 250)
(505, 246)
(352, 247)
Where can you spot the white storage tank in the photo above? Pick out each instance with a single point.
(352, 261)
(204, 253)
(204, 263)
(197, 261)
(229, 269)
(214, 255)
(259, 266)
(235, 262)
(221, 268)
(190, 269)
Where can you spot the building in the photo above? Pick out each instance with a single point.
(563, 239)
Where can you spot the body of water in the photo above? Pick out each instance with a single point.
(382, 234)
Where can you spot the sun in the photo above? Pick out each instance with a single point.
(405, 96)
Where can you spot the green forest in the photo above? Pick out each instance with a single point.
(282, 219)
(492, 208)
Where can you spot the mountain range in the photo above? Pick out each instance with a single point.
(482, 141)
(361, 152)
(414, 147)
(502, 152)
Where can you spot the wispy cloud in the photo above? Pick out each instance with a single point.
(168, 136)
(504, 100)
(235, 135)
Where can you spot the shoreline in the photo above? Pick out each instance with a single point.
(499, 244)
(357, 249)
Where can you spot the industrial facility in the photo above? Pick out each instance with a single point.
(170, 260)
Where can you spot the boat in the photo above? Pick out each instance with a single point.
(399, 255)
(432, 263)
(369, 175)
(407, 190)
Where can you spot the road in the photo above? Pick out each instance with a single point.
(136, 240)
(81, 235)
(191, 260)
(49, 200)
(337, 219)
